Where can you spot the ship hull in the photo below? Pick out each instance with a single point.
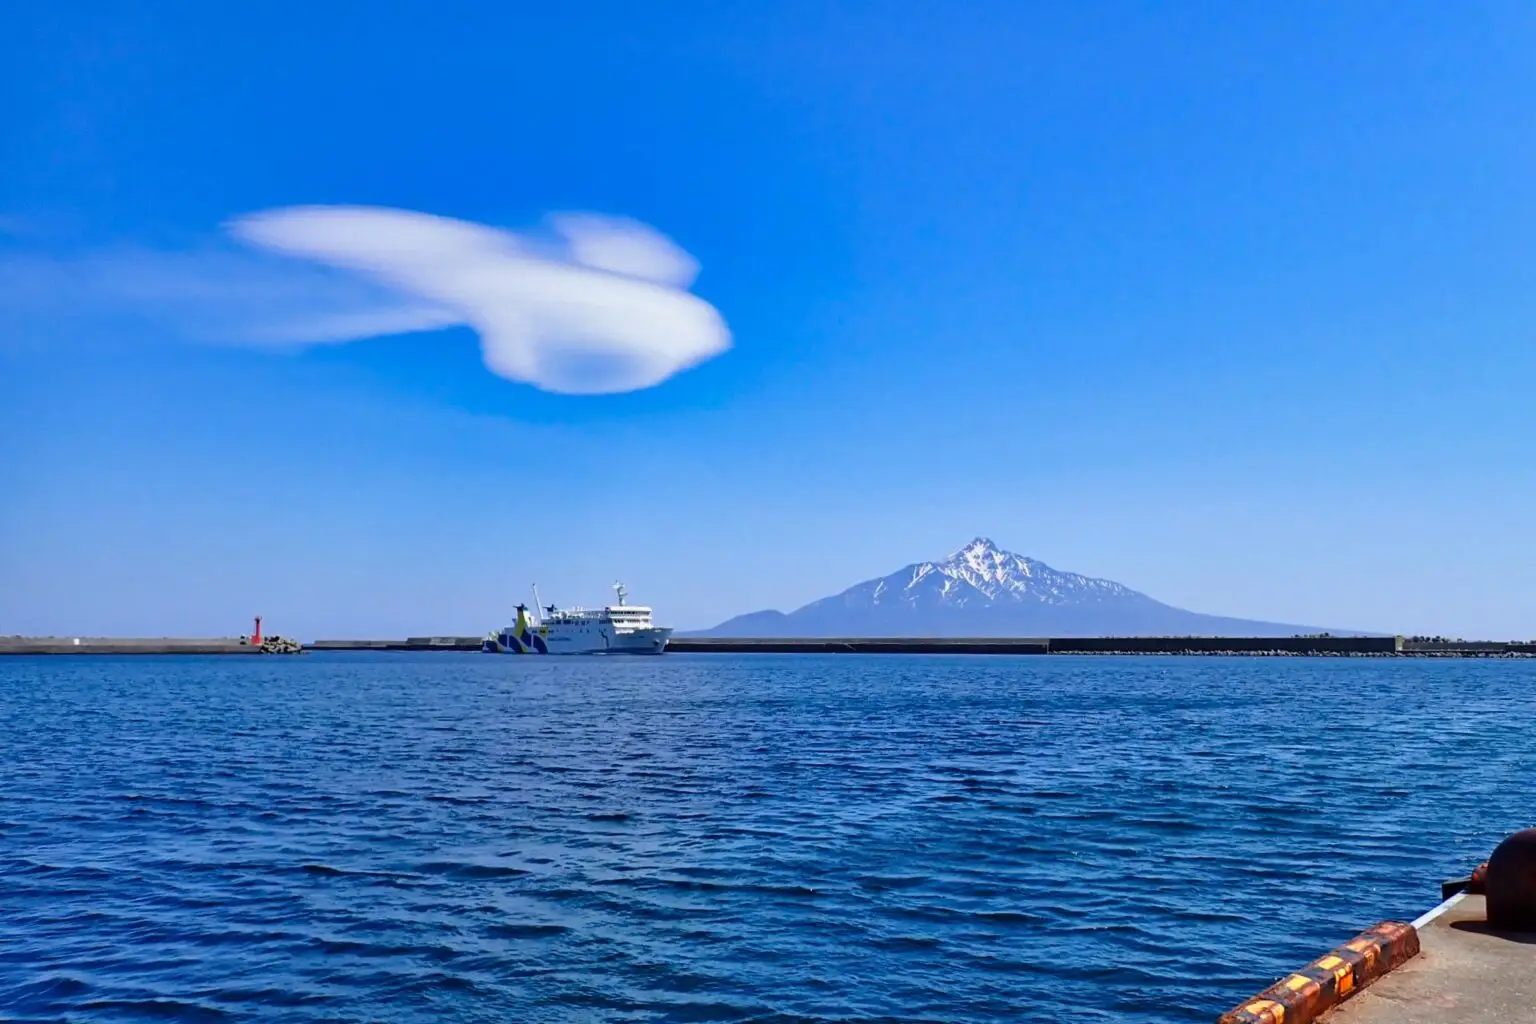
(531, 641)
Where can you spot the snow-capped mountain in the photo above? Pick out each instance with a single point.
(983, 573)
(982, 590)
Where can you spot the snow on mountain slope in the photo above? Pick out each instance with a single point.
(983, 573)
(982, 590)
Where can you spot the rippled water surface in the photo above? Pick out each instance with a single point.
(713, 838)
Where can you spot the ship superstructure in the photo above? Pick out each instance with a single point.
(621, 628)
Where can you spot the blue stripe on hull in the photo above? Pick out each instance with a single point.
(492, 647)
(508, 642)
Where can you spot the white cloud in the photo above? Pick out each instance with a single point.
(602, 308)
(214, 294)
(599, 305)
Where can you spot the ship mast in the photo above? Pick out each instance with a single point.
(618, 588)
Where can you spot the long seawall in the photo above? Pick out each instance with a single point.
(125, 645)
(1377, 646)
(947, 645)
(1314, 646)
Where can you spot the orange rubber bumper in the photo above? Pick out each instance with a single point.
(1329, 980)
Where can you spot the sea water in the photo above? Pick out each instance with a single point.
(446, 837)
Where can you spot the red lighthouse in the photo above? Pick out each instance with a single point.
(256, 636)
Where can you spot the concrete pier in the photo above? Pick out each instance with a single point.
(1465, 973)
(1450, 966)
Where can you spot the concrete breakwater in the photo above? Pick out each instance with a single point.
(413, 643)
(1335, 646)
(145, 645)
(1300, 646)
(858, 645)
(125, 645)
(1305, 646)
(1038, 645)
(1292, 646)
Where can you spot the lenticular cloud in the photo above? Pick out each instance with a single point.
(602, 307)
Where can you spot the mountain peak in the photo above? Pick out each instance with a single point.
(979, 546)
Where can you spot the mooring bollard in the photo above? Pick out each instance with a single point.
(1510, 883)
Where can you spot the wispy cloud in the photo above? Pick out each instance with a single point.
(593, 305)
(216, 294)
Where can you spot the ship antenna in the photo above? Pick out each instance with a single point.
(618, 588)
(538, 608)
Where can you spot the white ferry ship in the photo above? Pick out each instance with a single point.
(616, 629)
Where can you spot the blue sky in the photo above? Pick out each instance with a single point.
(1234, 305)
